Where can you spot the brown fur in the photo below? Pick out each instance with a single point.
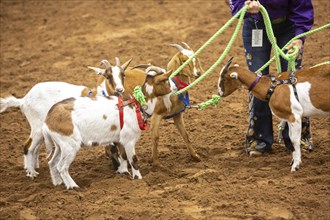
(113, 127)
(86, 92)
(319, 77)
(280, 103)
(59, 117)
(27, 145)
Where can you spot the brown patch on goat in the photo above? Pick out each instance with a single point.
(86, 92)
(135, 162)
(320, 90)
(59, 117)
(104, 117)
(280, 103)
(27, 145)
(113, 128)
(122, 151)
(134, 75)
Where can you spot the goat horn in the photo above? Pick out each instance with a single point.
(125, 65)
(144, 66)
(156, 69)
(106, 63)
(177, 46)
(228, 63)
(97, 70)
(117, 62)
(186, 46)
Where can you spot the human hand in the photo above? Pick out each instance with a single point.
(253, 6)
(297, 42)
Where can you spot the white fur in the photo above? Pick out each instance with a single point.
(117, 79)
(234, 75)
(219, 80)
(167, 102)
(149, 89)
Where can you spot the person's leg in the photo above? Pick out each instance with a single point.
(259, 137)
(284, 32)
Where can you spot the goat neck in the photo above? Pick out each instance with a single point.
(247, 78)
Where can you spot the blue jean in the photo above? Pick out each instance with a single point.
(260, 116)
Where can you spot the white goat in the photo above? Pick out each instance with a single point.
(36, 103)
(83, 121)
(311, 86)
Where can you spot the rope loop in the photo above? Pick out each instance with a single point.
(290, 56)
(213, 101)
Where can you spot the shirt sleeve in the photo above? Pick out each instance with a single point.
(302, 15)
(236, 5)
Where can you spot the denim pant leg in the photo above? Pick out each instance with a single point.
(260, 117)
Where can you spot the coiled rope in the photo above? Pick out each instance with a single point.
(290, 56)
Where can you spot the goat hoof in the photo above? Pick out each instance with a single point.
(33, 174)
(294, 168)
(136, 177)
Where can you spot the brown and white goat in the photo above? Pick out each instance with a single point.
(313, 96)
(84, 121)
(36, 103)
(175, 107)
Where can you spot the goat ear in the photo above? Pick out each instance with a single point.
(125, 65)
(186, 45)
(234, 75)
(163, 77)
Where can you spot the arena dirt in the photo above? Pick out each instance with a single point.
(56, 40)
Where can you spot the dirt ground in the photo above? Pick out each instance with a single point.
(55, 40)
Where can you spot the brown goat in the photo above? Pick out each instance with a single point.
(310, 85)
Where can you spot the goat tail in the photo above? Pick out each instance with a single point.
(48, 141)
(8, 102)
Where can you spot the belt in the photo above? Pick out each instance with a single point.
(279, 20)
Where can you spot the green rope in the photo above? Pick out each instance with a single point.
(211, 69)
(214, 101)
(270, 34)
(324, 63)
(139, 96)
(296, 37)
(208, 42)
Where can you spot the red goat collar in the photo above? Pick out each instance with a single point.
(181, 85)
(143, 125)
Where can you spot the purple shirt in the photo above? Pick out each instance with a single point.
(300, 12)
